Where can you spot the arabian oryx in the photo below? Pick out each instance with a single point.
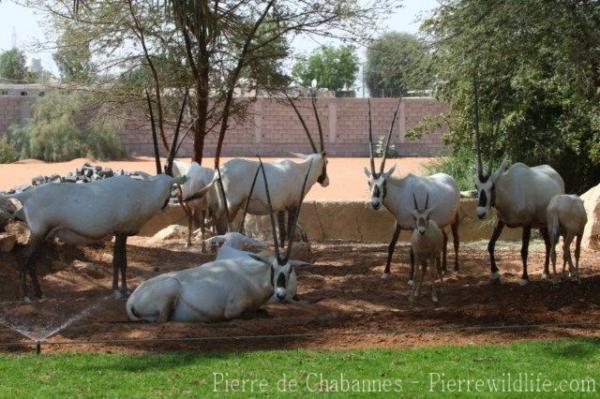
(83, 213)
(567, 217)
(520, 194)
(219, 290)
(426, 244)
(197, 177)
(395, 193)
(284, 177)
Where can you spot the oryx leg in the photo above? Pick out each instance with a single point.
(391, 248)
(568, 239)
(290, 225)
(281, 225)
(411, 280)
(546, 236)
(556, 278)
(525, 253)
(444, 251)
(28, 265)
(492, 246)
(202, 222)
(578, 251)
(455, 240)
(120, 265)
(434, 272)
(413, 291)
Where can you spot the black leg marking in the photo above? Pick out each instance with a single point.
(455, 240)
(391, 248)
(29, 265)
(492, 245)
(412, 264)
(525, 250)
(445, 251)
(546, 236)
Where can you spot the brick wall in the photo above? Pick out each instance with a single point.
(272, 129)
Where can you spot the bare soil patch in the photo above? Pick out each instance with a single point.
(358, 309)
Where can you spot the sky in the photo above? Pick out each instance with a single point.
(24, 26)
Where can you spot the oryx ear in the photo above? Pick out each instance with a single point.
(299, 263)
(298, 155)
(263, 257)
(414, 213)
(390, 172)
(367, 172)
(503, 167)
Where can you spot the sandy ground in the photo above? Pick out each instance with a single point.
(357, 309)
(347, 180)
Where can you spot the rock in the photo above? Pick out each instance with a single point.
(302, 251)
(7, 242)
(468, 194)
(89, 268)
(591, 234)
(172, 232)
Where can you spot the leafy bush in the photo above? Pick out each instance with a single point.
(460, 166)
(58, 131)
(7, 152)
(380, 147)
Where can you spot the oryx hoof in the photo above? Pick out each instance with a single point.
(575, 279)
(523, 282)
(545, 276)
(495, 278)
(187, 245)
(556, 280)
(434, 299)
(411, 282)
(386, 276)
(116, 294)
(26, 299)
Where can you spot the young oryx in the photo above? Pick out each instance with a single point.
(196, 210)
(426, 243)
(283, 176)
(566, 215)
(520, 194)
(219, 290)
(395, 193)
(83, 213)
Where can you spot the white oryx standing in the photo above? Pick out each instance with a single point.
(395, 193)
(284, 177)
(219, 290)
(197, 177)
(84, 213)
(520, 194)
(567, 217)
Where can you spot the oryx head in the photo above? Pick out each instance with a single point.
(235, 240)
(485, 182)
(323, 179)
(421, 216)
(281, 267)
(167, 173)
(378, 179)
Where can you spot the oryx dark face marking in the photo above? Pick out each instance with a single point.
(377, 184)
(280, 279)
(323, 179)
(485, 188)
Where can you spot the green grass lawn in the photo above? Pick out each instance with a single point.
(572, 366)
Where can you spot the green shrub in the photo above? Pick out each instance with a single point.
(461, 166)
(7, 152)
(59, 130)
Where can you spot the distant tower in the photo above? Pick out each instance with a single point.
(14, 37)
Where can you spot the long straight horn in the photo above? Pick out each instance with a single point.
(277, 254)
(371, 155)
(292, 231)
(173, 149)
(427, 201)
(415, 203)
(224, 196)
(154, 136)
(241, 226)
(304, 126)
(389, 136)
(313, 101)
(477, 142)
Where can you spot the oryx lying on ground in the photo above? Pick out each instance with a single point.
(284, 177)
(520, 194)
(83, 213)
(395, 193)
(567, 217)
(426, 244)
(197, 177)
(218, 290)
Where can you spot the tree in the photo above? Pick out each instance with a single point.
(537, 65)
(397, 62)
(12, 65)
(332, 67)
(73, 57)
(212, 48)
